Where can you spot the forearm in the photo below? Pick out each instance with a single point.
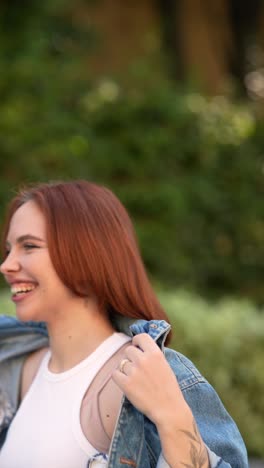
(182, 446)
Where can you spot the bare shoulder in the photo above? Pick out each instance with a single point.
(30, 369)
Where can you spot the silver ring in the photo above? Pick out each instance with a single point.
(122, 365)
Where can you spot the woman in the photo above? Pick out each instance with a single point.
(85, 377)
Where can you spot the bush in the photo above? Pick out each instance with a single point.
(226, 342)
(191, 178)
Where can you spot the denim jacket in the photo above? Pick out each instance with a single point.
(135, 443)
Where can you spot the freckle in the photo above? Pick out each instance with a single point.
(70, 337)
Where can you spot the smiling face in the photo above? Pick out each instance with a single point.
(36, 289)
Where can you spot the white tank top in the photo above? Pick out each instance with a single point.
(46, 431)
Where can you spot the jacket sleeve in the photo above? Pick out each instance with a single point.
(218, 430)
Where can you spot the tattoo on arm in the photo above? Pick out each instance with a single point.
(198, 452)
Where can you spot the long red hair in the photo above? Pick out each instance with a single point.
(93, 247)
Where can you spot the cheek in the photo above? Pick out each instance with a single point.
(51, 284)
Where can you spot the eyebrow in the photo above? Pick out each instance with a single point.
(25, 237)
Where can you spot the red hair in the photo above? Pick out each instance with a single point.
(93, 247)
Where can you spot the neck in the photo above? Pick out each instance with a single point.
(75, 334)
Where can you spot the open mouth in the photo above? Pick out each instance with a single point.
(21, 289)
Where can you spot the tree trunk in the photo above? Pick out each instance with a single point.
(205, 42)
(125, 30)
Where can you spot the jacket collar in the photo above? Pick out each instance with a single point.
(34, 334)
(157, 329)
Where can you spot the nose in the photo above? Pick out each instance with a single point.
(10, 264)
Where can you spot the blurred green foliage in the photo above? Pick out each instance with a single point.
(7, 307)
(188, 168)
(226, 342)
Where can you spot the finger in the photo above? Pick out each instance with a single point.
(144, 342)
(133, 353)
(124, 365)
(120, 379)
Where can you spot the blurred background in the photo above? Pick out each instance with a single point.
(163, 102)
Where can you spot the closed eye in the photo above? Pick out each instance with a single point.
(30, 246)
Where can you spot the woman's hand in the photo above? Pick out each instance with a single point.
(148, 382)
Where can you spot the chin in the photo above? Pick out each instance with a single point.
(27, 315)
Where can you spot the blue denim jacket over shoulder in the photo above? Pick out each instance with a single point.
(135, 442)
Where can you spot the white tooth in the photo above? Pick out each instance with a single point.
(17, 289)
